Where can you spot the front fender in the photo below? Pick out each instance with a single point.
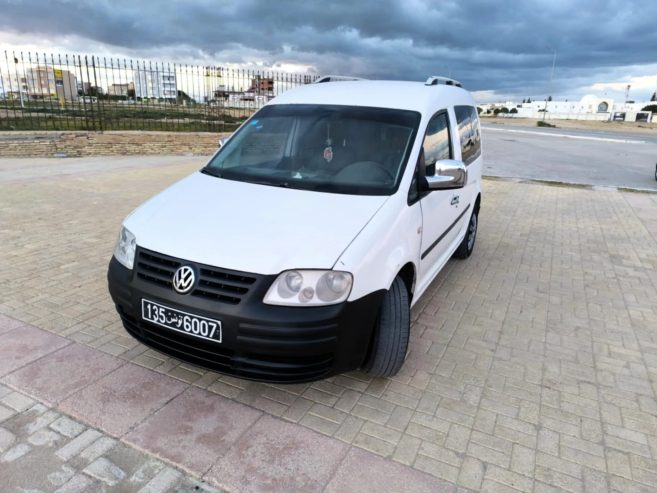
(390, 240)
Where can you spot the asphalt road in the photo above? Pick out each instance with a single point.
(571, 156)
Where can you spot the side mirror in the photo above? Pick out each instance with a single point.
(450, 174)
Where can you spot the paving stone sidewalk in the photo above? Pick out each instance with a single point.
(108, 407)
(45, 451)
(532, 367)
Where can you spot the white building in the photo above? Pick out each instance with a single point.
(155, 83)
(590, 107)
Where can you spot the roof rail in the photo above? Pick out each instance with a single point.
(434, 80)
(336, 78)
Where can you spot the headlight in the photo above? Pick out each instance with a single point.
(125, 248)
(309, 288)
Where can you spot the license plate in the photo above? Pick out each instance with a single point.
(187, 323)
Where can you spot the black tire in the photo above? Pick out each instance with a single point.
(393, 326)
(467, 245)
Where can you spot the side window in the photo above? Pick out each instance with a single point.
(437, 146)
(436, 142)
(469, 133)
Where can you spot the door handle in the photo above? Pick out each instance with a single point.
(455, 200)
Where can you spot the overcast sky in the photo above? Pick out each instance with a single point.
(497, 49)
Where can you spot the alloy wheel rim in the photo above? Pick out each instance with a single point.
(472, 232)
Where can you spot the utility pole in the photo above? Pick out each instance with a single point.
(554, 62)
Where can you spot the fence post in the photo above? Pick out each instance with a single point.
(100, 112)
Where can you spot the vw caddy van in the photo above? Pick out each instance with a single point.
(298, 251)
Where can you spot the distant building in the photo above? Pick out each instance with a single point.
(215, 87)
(12, 89)
(84, 87)
(262, 85)
(48, 82)
(155, 83)
(590, 107)
(127, 89)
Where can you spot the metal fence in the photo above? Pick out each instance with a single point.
(74, 92)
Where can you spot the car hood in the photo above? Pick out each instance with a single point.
(252, 228)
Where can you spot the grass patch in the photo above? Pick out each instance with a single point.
(76, 123)
(636, 190)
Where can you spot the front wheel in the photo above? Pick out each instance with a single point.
(393, 326)
(467, 245)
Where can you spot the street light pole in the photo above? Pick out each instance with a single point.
(20, 81)
(554, 62)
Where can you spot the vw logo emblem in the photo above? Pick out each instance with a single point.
(183, 279)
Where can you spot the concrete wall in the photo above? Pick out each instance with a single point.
(80, 144)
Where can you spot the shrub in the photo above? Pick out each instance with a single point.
(541, 123)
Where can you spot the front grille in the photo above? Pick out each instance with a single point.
(222, 359)
(222, 285)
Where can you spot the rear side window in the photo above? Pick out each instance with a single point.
(469, 133)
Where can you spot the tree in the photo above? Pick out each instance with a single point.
(182, 96)
(94, 91)
(529, 100)
(651, 107)
(479, 110)
(523, 101)
(549, 98)
(513, 110)
(654, 96)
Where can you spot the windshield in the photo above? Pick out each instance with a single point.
(341, 149)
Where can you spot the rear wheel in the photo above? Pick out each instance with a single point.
(467, 245)
(391, 333)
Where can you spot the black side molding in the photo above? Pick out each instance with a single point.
(451, 226)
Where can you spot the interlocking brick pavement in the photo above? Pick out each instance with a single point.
(45, 451)
(532, 365)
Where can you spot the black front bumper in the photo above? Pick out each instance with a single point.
(260, 342)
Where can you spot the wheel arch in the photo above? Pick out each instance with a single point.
(408, 275)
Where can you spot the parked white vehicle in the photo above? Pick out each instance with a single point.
(298, 250)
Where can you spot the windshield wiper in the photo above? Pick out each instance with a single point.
(209, 171)
(282, 184)
(214, 172)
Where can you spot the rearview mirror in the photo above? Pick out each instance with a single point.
(450, 174)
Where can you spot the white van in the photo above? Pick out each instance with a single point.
(297, 252)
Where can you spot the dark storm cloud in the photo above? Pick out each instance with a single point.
(502, 46)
